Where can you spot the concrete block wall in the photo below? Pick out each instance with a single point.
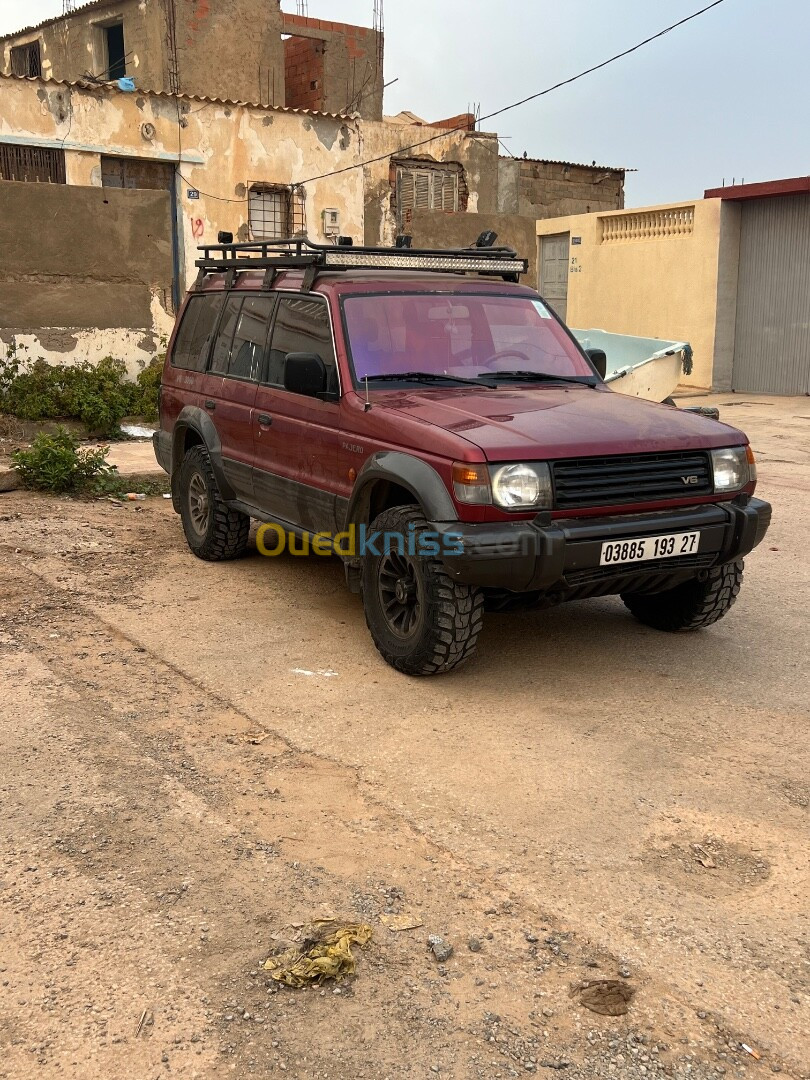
(303, 73)
(542, 189)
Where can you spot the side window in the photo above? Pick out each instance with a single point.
(193, 341)
(302, 325)
(227, 327)
(250, 337)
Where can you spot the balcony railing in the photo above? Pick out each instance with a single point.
(648, 224)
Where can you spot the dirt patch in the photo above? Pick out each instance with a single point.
(708, 864)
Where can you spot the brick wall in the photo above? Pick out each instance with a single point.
(347, 66)
(303, 73)
(464, 122)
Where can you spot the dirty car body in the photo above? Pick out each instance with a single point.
(454, 408)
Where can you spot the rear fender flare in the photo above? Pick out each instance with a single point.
(193, 418)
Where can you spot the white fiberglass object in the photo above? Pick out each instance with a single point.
(640, 367)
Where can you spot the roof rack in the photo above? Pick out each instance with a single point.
(300, 253)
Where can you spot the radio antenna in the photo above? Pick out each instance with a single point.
(367, 402)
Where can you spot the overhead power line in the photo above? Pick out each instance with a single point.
(517, 104)
(498, 112)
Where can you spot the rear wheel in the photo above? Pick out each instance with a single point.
(214, 532)
(422, 622)
(692, 605)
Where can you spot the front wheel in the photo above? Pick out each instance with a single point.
(692, 605)
(422, 622)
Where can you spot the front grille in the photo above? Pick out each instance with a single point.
(658, 566)
(630, 478)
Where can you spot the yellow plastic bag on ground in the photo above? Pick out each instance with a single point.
(324, 953)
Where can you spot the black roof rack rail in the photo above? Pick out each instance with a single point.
(298, 253)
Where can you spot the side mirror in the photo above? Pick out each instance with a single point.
(304, 373)
(598, 358)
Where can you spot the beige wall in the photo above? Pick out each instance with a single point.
(658, 284)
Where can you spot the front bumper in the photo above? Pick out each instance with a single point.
(562, 555)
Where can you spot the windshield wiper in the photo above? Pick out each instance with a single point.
(427, 377)
(540, 376)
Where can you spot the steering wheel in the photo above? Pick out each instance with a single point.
(488, 363)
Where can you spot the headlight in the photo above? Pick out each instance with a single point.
(731, 468)
(516, 486)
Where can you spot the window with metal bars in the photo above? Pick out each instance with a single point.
(426, 187)
(26, 60)
(276, 212)
(34, 164)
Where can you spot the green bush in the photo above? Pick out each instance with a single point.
(99, 395)
(147, 390)
(56, 463)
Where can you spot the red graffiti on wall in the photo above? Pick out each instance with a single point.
(197, 227)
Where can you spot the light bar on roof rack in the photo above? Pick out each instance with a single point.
(300, 253)
(460, 262)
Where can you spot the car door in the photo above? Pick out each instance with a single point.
(233, 374)
(295, 437)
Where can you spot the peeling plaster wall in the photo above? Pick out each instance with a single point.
(223, 149)
(96, 283)
(476, 152)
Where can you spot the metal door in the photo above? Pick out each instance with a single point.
(554, 271)
(772, 338)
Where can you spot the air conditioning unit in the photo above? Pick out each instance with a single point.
(331, 223)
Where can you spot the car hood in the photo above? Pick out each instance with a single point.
(557, 421)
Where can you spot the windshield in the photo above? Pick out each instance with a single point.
(466, 336)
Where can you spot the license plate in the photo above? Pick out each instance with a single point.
(646, 548)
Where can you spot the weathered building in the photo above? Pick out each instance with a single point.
(189, 167)
(244, 119)
(533, 188)
(231, 49)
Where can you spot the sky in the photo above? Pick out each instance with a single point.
(721, 98)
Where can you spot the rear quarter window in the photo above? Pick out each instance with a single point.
(197, 327)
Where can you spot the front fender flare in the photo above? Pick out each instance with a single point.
(406, 471)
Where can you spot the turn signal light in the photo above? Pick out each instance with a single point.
(752, 464)
(471, 483)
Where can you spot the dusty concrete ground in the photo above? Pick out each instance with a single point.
(539, 809)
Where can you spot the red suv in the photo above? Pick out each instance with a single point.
(434, 424)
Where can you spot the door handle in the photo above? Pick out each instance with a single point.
(210, 405)
(264, 419)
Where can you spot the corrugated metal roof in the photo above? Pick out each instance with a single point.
(57, 18)
(111, 86)
(572, 164)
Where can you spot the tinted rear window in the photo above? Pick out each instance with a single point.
(249, 340)
(227, 326)
(193, 341)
